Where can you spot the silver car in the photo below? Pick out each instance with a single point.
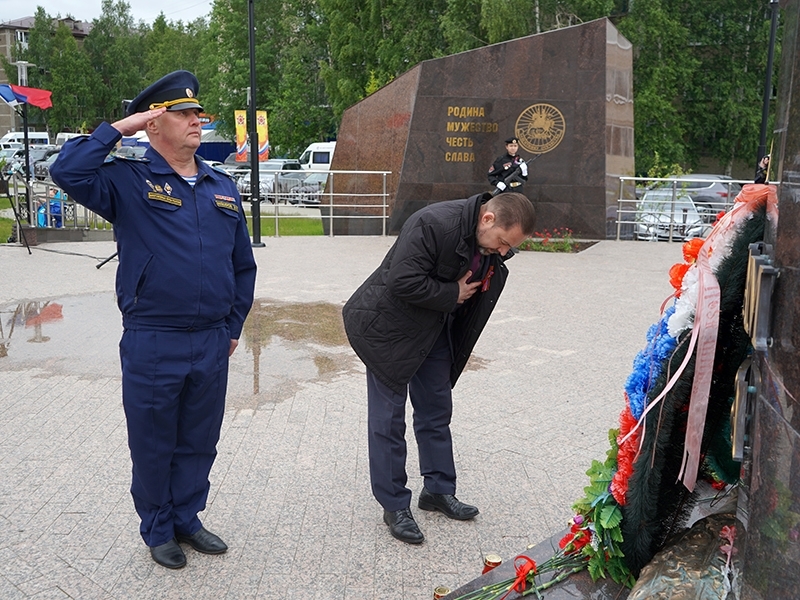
(659, 217)
(710, 193)
(288, 174)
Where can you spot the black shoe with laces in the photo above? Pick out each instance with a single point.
(447, 504)
(403, 526)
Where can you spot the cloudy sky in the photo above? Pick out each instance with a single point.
(86, 10)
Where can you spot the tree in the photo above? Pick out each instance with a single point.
(115, 48)
(503, 20)
(410, 33)
(723, 106)
(301, 111)
(171, 46)
(72, 82)
(354, 33)
(662, 70)
(461, 25)
(229, 52)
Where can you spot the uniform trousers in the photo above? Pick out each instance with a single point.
(432, 401)
(173, 393)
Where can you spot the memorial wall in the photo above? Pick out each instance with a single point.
(566, 94)
(772, 549)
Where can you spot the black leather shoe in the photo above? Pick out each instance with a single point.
(204, 541)
(447, 504)
(403, 526)
(169, 555)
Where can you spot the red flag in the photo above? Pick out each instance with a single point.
(33, 96)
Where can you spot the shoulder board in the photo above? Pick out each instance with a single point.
(223, 172)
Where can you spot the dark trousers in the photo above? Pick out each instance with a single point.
(173, 392)
(432, 401)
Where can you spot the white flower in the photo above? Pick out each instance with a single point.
(685, 306)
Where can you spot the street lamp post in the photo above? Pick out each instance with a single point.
(762, 146)
(255, 187)
(22, 78)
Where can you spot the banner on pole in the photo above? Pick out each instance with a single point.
(263, 135)
(240, 118)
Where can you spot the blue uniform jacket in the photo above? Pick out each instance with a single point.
(185, 258)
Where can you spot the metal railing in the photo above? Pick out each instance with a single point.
(671, 209)
(44, 205)
(319, 199)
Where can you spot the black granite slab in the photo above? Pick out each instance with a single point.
(771, 546)
(578, 585)
(440, 126)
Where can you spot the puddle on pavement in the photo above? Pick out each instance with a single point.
(284, 346)
(74, 335)
(287, 344)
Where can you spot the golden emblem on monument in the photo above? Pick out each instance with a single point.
(540, 128)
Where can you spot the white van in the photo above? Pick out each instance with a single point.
(35, 138)
(318, 156)
(64, 136)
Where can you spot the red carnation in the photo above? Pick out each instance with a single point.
(676, 274)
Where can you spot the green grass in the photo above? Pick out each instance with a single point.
(5, 224)
(287, 226)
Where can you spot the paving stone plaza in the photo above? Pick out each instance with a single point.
(290, 489)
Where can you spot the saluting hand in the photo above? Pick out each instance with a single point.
(137, 121)
(465, 290)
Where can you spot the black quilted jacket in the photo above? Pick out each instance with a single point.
(394, 318)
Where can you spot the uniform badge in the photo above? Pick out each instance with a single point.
(150, 183)
(226, 202)
(168, 188)
(164, 198)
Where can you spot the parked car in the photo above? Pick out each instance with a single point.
(15, 157)
(214, 164)
(657, 214)
(233, 167)
(288, 173)
(309, 192)
(41, 170)
(130, 151)
(699, 231)
(34, 137)
(711, 194)
(11, 158)
(41, 153)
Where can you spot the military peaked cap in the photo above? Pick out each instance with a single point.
(512, 140)
(176, 91)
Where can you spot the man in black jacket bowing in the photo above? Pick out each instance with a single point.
(414, 323)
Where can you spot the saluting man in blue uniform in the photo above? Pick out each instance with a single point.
(184, 286)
